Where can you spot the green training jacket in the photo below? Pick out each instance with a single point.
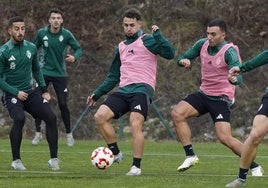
(53, 49)
(18, 66)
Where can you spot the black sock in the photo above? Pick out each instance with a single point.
(136, 162)
(243, 173)
(114, 148)
(253, 165)
(189, 151)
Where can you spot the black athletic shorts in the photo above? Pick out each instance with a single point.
(121, 103)
(218, 109)
(263, 109)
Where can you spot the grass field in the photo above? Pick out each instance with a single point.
(217, 166)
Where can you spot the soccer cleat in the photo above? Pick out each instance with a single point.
(53, 163)
(134, 171)
(118, 158)
(37, 138)
(69, 139)
(236, 183)
(17, 165)
(257, 171)
(188, 163)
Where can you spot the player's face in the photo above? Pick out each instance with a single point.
(17, 31)
(131, 26)
(55, 20)
(215, 35)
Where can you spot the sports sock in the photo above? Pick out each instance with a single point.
(253, 165)
(137, 162)
(114, 148)
(243, 174)
(189, 151)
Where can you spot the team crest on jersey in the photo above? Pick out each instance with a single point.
(12, 65)
(61, 38)
(14, 100)
(28, 54)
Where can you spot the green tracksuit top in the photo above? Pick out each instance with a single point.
(257, 61)
(155, 43)
(53, 50)
(18, 66)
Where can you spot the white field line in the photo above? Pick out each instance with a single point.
(130, 152)
(4, 174)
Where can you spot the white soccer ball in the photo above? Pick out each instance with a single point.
(102, 157)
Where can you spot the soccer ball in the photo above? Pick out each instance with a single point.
(102, 158)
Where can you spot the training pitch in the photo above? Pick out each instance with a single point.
(217, 167)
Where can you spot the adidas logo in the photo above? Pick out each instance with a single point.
(12, 58)
(45, 101)
(65, 90)
(138, 107)
(219, 116)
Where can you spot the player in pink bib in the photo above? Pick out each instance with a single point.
(134, 69)
(215, 95)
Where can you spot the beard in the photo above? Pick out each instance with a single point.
(18, 39)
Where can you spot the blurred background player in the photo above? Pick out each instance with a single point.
(53, 41)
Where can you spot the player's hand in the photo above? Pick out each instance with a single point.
(185, 63)
(90, 100)
(46, 96)
(232, 79)
(234, 71)
(154, 28)
(70, 58)
(22, 95)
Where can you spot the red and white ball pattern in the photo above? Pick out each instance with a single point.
(102, 157)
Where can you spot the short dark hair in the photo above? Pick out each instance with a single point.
(132, 13)
(14, 19)
(55, 10)
(220, 23)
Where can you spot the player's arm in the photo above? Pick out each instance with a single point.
(111, 80)
(3, 84)
(74, 44)
(232, 59)
(37, 73)
(158, 44)
(185, 59)
(257, 61)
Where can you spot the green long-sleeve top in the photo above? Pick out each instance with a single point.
(18, 63)
(53, 50)
(155, 43)
(257, 61)
(231, 55)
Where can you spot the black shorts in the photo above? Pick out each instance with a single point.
(219, 109)
(263, 109)
(121, 103)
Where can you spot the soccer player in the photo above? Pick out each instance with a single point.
(260, 122)
(215, 95)
(134, 67)
(53, 41)
(18, 63)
